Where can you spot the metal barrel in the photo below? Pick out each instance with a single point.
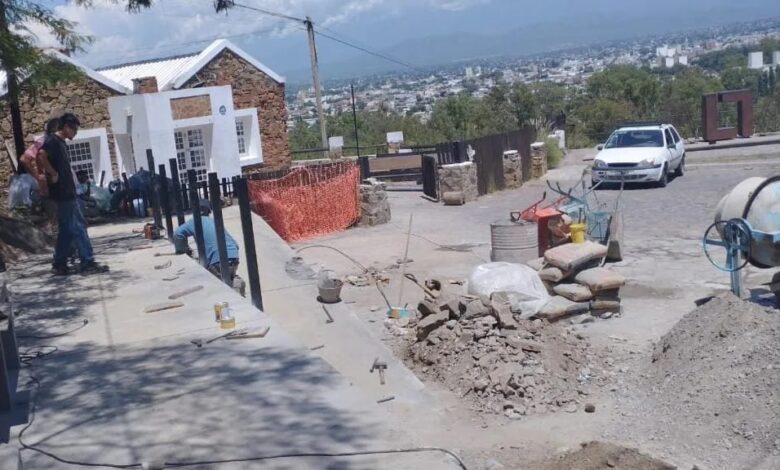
(514, 242)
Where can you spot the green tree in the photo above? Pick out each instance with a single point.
(601, 116)
(771, 82)
(524, 105)
(682, 99)
(304, 136)
(739, 78)
(628, 84)
(459, 117)
(766, 114)
(719, 61)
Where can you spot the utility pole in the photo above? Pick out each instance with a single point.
(13, 89)
(315, 74)
(354, 118)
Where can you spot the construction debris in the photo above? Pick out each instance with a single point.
(184, 292)
(478, 348)
(162, 306)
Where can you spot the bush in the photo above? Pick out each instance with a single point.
(554, 153)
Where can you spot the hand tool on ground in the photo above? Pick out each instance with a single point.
(406, 257)
(199, 342)
(165, 265)
(165, 254)
(316, 348)
(330, 318)
(162, 306)
(386, 399)
(256, 334)
(429, 292)
(184, 292)
(380, 366)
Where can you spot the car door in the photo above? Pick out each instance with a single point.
(674, 157)
(679, 144)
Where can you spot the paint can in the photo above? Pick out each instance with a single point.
(219, 308)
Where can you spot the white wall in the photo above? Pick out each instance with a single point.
(756, 60)
(153, 127)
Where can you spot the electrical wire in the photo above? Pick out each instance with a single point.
(337, 251)
(84, 323)
(368, 51)
(271, 13)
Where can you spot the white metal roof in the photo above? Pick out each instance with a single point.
(171, 73)
(166, 71)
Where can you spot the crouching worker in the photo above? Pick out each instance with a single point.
(210, 241)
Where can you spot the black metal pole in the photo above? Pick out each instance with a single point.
(195, 204)
(242, 193)
(219, 226)
(185, 194)
(354, 119)
(224, 188)
(205, 187)
(165, 201)
(178, 204)
(154, 196)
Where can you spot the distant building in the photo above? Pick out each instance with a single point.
(668, 62)
(682, 60)
(756, 60)
(776, 58)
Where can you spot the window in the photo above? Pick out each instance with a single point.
(191, 154)
(635, 138)
(80, 155)
(675, 135)
(669, 138)
(241, 135)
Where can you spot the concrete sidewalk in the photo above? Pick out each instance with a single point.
(129, 386)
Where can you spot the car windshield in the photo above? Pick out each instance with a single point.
(636, 138)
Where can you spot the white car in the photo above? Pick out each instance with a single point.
(640, 154)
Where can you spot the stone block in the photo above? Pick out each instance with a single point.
(430, 323)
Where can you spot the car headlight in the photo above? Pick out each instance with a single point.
(599, 164)
(647, 162)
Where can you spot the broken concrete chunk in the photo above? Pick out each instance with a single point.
(475, 309)
(600, 279)
(502, 310)
(574, 292)
(552, 274)
(454, 307)
(427, 307)
(430, 323)
(573, 256)
(557, 307)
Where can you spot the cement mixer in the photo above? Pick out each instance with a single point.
(747, 226)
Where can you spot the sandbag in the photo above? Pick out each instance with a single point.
(573, 256)
(552, 274)
(527, 294)
(537, 264)
(573, 292)
(557, 307)
(600, 279)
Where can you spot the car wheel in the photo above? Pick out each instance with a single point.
(680, 168)
(664, 177)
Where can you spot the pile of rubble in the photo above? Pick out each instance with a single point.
(479, 349)
(572, 275)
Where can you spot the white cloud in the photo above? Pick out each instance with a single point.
(176, 26)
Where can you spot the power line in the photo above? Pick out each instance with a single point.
(271, 13)
(367, 51)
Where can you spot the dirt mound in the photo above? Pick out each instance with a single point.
(717, 374)
(600, 456)
(503, 365)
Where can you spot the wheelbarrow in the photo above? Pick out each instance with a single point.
(544, 217)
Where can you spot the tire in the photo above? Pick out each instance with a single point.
(664, 180)
(680, 171)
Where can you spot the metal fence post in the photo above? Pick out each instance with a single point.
(195, 204)
(219, 226)
(165, 201)
(365, 169)
(242, 192)
(205, 186)
(154, 194)
(177, 192)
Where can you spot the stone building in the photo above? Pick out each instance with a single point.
(106, 139)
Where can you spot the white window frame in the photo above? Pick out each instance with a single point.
(97, 138)
(252, 137)
(242, 137)
(187, 147)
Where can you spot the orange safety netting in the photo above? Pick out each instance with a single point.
(309, 201)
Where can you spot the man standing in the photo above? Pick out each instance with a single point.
(210, 241)
(72, 230)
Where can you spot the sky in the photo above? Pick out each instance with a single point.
(399, 27)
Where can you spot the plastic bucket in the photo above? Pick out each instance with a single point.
(578, 232)
(330, 291)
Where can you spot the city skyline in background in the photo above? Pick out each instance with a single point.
(422, 35)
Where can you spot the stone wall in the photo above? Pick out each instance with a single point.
(252, 89)
(374, 206)
(84, 97)
(513, 171)
(459, 177)
(191, 107)
(539, 160)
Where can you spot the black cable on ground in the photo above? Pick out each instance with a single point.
(84, 323)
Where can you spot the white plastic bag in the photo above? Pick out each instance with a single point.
(23, 191)
(526, 290)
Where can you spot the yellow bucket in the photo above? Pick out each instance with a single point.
(578, 232)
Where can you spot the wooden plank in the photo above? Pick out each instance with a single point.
(401, 162)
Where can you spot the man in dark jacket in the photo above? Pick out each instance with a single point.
(72, 230)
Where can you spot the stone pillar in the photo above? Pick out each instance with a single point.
(459, 177)
(513, 170)
(374, 206)
(539, 159)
